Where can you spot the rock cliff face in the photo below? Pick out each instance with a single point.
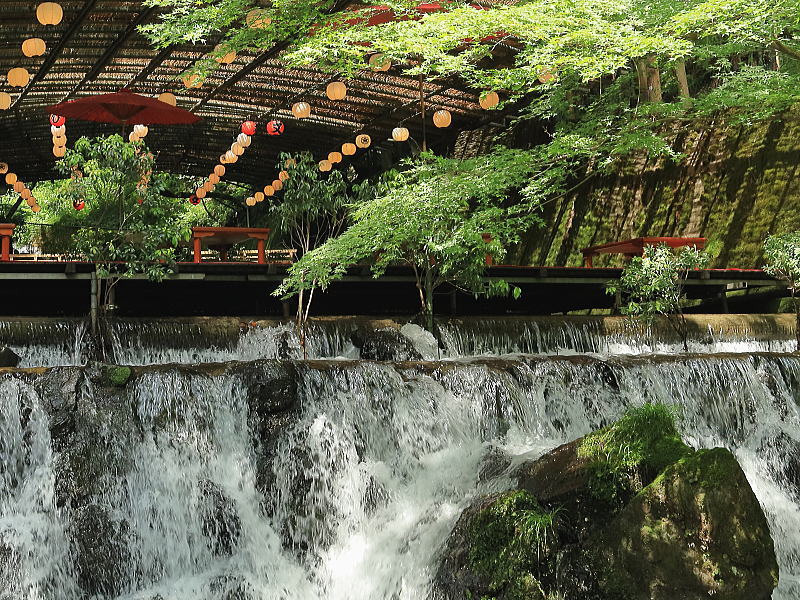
(626, 513)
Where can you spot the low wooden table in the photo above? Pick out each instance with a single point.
(6, 231)
(636, 246)
(222, 238)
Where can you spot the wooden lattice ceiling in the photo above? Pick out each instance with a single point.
(97, 49)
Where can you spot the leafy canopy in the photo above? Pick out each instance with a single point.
(782, 254)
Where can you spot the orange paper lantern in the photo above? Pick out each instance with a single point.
(219, 170)
(168, 98)
(49, 13)
(336, 90)
(335, 157)
(489, 100)
(348, 149)
(301, 110)
(18, 77)
(5, 101)
(34, 47)
(442, 118)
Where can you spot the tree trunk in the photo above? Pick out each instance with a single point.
(796, 302)
(683, 82)
(429, 300)
(649, 79)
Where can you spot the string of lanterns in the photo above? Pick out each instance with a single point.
(20, 188)
(58, 128)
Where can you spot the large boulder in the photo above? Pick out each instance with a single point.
(102, 555)
(8, 358)
(387, 344)
(628, 512)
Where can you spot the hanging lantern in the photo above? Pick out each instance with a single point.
(78, 204)
(11, 178)
(231, 157)
(3, 168)
(59, 151)
(18, 77)
(325, 165)
(61, 130)
(335, 157)
(301, 110)
(259, 196)
(59, 140)
(257, 19)
(289, 163)
(379, 62)
(250, 201)
(400, 134)
(223, 159)
(208, 186)
(141, 130)
(49, 13)
(249, 127)
(214, 178)
(275, 127)
(283, 176)
(200, 192)
(269, 190)
(336, 90)
(26, 194)
(30, 201)
(277, 185)
(244, 139)
(442, 118)
(348, 149)
(33, 47)
(489, 100)
(237, 148)
(219, 171)
(5, 101)
(363, 141)
(168, 98)
(133, 138)
(193, 80)
(546, 76)
(36, 208)
(57, 121)
(19, 186)
(226, 58)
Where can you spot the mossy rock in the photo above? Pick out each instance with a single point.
(115, 375)
(695, 532)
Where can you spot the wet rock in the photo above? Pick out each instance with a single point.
(386, 344)
(115, 375)
(101, 551)
(221, 523)
(8, 358)
(59, 388)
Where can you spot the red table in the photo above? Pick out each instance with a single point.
(222, 238)
(635, 247)
(6, 231)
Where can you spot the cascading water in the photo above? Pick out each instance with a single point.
(45, 342)
(355, 476)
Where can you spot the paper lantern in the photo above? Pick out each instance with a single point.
(49, 13)
(301, 110)
(26, 194)
(325, 165)
(335, 157)
(78, 204)
(275, 127)
(36, 208)
(33, 47)
(277, 185)
(545, 76)
(19, 186)
(250, 201)
(363, 141)
(379, 62)
(132, 137)
(141, 130)
(400, 134)
(269, 190)
(168, 98)
(223, 159)
(214, 178)
(200, 192)
(442, 118)
(249, 127)
(3, 168)
(59, 151)
(219, 171)
(208, 186)
(5, 101)
(57, 121)
(257, 19)
(231, 157)
(59, 140)
(259, 196)
(18, 77)
(289, 163)
(11, 178)
(237, 148)
(244, 139)
(226, 58)
(193, 81)
(489, 100)
(61, 130)
(336, 90)
(348, 149)
(30, 201)
(283, 176)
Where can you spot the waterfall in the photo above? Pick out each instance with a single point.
(45, 342)
(311, 480)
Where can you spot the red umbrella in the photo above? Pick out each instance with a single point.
(123, 108)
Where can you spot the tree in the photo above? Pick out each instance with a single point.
(653, 284)
(782, 254)
(314, 208)
(441, 217)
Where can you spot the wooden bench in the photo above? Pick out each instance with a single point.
(636, 246)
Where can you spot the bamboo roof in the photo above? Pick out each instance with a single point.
(97, 49)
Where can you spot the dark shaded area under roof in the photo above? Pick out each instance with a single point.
(97, 49)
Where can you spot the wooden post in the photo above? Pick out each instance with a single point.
(680, 75)
(198, 250)
(262, 259)
(93, 303)
(6, 231)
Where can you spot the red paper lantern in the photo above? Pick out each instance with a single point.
(193, 199)
(249, 127)
(57, 120)
(78, 204)
(275, 127)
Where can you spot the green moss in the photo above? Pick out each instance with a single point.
(116, 375)
(507, 539)
(640, 445)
